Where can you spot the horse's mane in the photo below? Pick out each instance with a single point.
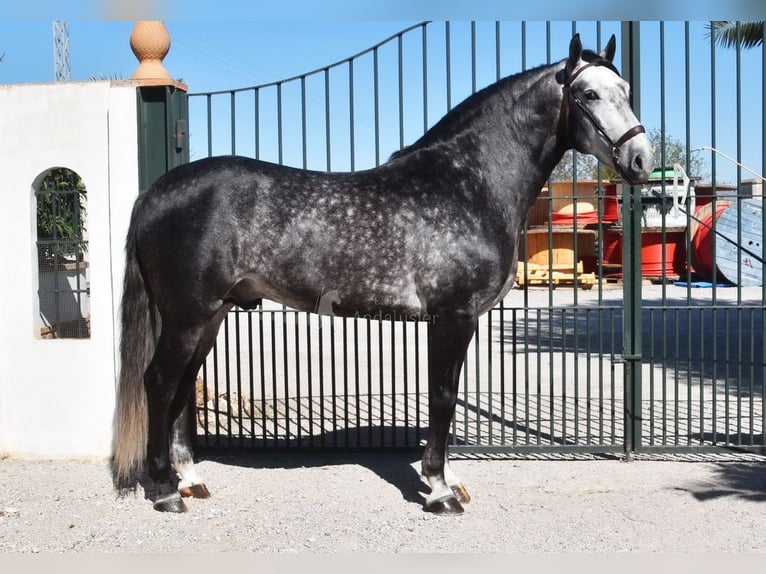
(474, 100)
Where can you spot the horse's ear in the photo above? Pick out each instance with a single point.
(611, 47)
(575, 53)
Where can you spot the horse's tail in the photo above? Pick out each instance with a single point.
(137, 344)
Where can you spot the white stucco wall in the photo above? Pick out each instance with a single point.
(57, 396)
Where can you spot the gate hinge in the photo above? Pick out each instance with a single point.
(180, 134)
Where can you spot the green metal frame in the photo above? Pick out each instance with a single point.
(163, 135)
(631, 257)
(661, 392)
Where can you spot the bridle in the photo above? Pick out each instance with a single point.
(571, 96)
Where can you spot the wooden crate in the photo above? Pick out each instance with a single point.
(561, 247)
(534, 274)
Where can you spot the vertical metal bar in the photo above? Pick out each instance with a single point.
(701, 342)
(405, 384)
(310, 378)
(209, 99)
(514, 387)
(400, 68)
(285, 376)
(417, 380)
(217, 399)
(392, 342)
(425, 76)
(262, 365)
(233, 120)
(739, 233)
(726, 384)
(351, 125)
(473, 56)
(763, 232)
(713, 193)
(490, 389)
(251, 380)
(328, 143)
(205, 409)
(632, 258)
(333, 384)
(448, 60)
(376, 90)
(274, 387)
(347, 430)
(498, 67)
(78, 257)
(369, 382)
(320, 353)
(357, 386)
(523, 46)
(227, 376)
(477, 374)
(381, 384)
(298, 397)
(279, 123)
(563, 382)
(238, 347)
(257, 122)
(613, 379)
(304, 138)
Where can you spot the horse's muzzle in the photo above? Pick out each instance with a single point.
(635, 162)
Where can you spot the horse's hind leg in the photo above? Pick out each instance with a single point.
(448, 341)
(182, 456)
(169, 380)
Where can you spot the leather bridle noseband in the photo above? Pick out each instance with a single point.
(570, 95)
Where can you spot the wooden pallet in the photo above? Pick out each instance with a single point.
(536, 274)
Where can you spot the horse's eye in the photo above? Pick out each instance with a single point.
(591, 95)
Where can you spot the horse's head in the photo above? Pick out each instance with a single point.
(600, 120)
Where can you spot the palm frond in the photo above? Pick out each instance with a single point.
(728, 34)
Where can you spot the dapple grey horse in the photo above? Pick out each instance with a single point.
(430, 235)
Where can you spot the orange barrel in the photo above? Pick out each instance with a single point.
(612, 254)
(610, 212)
(661, 259)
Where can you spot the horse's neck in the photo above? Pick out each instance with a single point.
(512, 131)
(530, 132)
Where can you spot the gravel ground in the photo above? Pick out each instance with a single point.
(371, 503)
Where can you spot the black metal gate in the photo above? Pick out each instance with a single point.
(600, 349)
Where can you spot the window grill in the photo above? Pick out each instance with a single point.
(62, 247)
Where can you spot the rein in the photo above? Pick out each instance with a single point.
(631, 133)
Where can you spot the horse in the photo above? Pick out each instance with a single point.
(431, 235)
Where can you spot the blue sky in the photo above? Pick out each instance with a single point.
(210, 52)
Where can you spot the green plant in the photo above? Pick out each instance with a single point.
(61, 211)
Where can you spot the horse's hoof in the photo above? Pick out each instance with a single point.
(195, 491)
(461, 493)
(170, 504)
(445, 507)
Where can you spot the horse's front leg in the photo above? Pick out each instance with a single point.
(448, 340)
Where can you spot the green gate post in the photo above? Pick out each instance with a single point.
(631, 259)
(163, 119)
(163, 141)
(163, 105)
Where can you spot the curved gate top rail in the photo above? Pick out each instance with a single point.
(546, 370)
(319, 70)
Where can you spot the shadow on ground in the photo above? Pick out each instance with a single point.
(746, 481)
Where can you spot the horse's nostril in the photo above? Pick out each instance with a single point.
(638, 163)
